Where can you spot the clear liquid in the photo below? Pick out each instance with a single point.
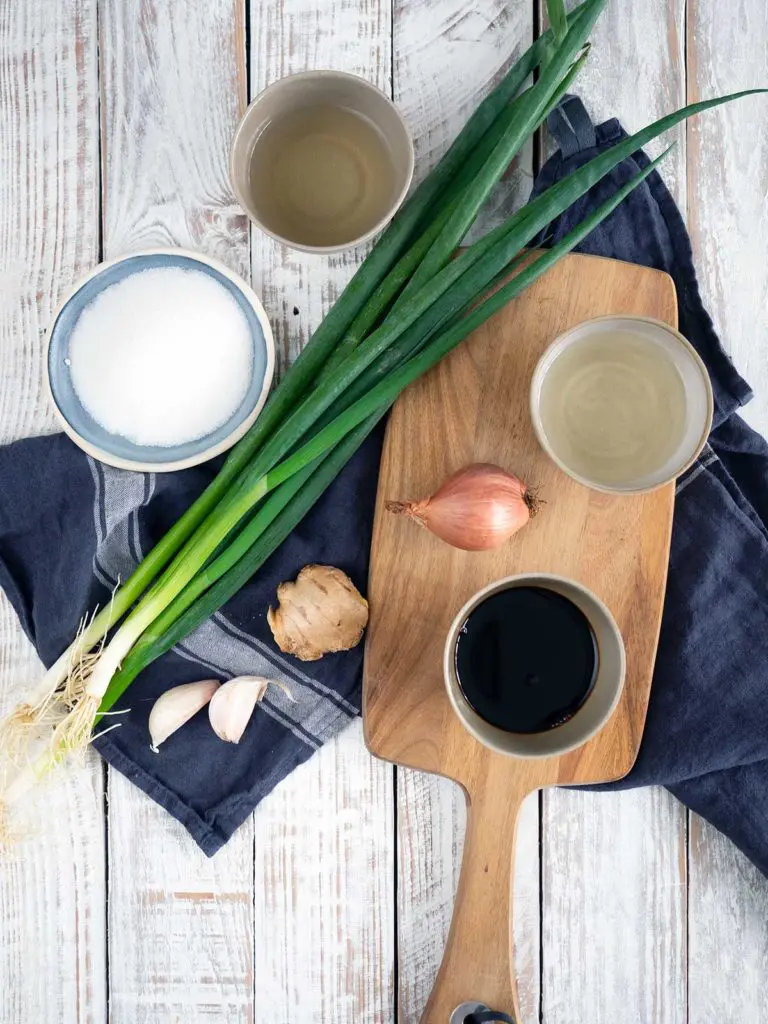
(322, 175)
(613, 407)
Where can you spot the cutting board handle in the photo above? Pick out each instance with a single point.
(478, 960)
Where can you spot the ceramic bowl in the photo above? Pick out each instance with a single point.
(308, 89)
(698, 398)
(114, 449)
(594, 712)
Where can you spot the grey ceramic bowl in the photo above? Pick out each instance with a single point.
(114, 449)
(599, 705)
(693, 373)
(308, 89)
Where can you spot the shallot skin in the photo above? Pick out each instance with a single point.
(475, 509)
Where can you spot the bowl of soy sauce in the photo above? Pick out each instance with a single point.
(534, 665)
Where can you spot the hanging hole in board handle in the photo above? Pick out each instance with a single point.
(478, 1013)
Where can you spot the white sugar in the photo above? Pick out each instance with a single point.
(162, 357)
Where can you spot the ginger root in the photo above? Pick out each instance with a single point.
(320, 613)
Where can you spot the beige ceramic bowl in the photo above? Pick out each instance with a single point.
(696, 383)
(309, 89)
(599, 705)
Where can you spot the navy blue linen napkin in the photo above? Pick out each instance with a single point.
(706, 735)
(69, 527)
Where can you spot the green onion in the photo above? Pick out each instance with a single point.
(534, 106)
(557, 19)
(409, 304)
(425, 201)
(217, 583)
(243, 558)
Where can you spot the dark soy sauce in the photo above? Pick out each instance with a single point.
(526, 659)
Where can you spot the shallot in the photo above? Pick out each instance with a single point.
(477, 508)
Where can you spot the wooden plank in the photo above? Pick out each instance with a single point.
(431, 822)
(432, 41)
(728, 176)
(173, 86)
(728, 181)
(614, 908)
(296, 35)
(324, 924)
(727, 934)
(636, 72)
(614, 898)
(180, 923)
(52, 936)
(325, 891)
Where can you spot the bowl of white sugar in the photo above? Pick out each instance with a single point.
(159, 360)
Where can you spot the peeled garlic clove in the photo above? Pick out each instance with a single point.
(232, 705)
(176, 706)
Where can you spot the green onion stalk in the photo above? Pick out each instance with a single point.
(409, 304)
(392, 260)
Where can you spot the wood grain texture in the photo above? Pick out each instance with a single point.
(430, 42)
(180, 923)
(728, 181)
(325, 936)
(728, 223)
(49, 161)
(288, 36)
(406, 713)
(727, 931)
(431, 821)
(447, 56)
(614, 908)
(173, 85)
(52, 934)
(636, 72)
(325, 897)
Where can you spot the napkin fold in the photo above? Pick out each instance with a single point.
(71, 527)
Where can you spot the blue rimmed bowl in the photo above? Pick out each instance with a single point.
(114, 449)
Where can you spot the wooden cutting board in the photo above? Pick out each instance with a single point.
(473, 407)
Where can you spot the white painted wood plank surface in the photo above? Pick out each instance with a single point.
(296, 919)
(52, 933)
(324, 939)
(728, 220)
(325, 891)
(614, 890)
(636, 72)
(173, 86)
(727, 932)
(447, 55)
(614, 908)
(728, 182)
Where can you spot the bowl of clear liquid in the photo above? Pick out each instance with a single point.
(622, 404)
(321, 161)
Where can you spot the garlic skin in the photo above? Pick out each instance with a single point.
(232, 705)
(176, 706)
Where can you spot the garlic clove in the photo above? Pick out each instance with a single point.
(176, 706)
(232, 705)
